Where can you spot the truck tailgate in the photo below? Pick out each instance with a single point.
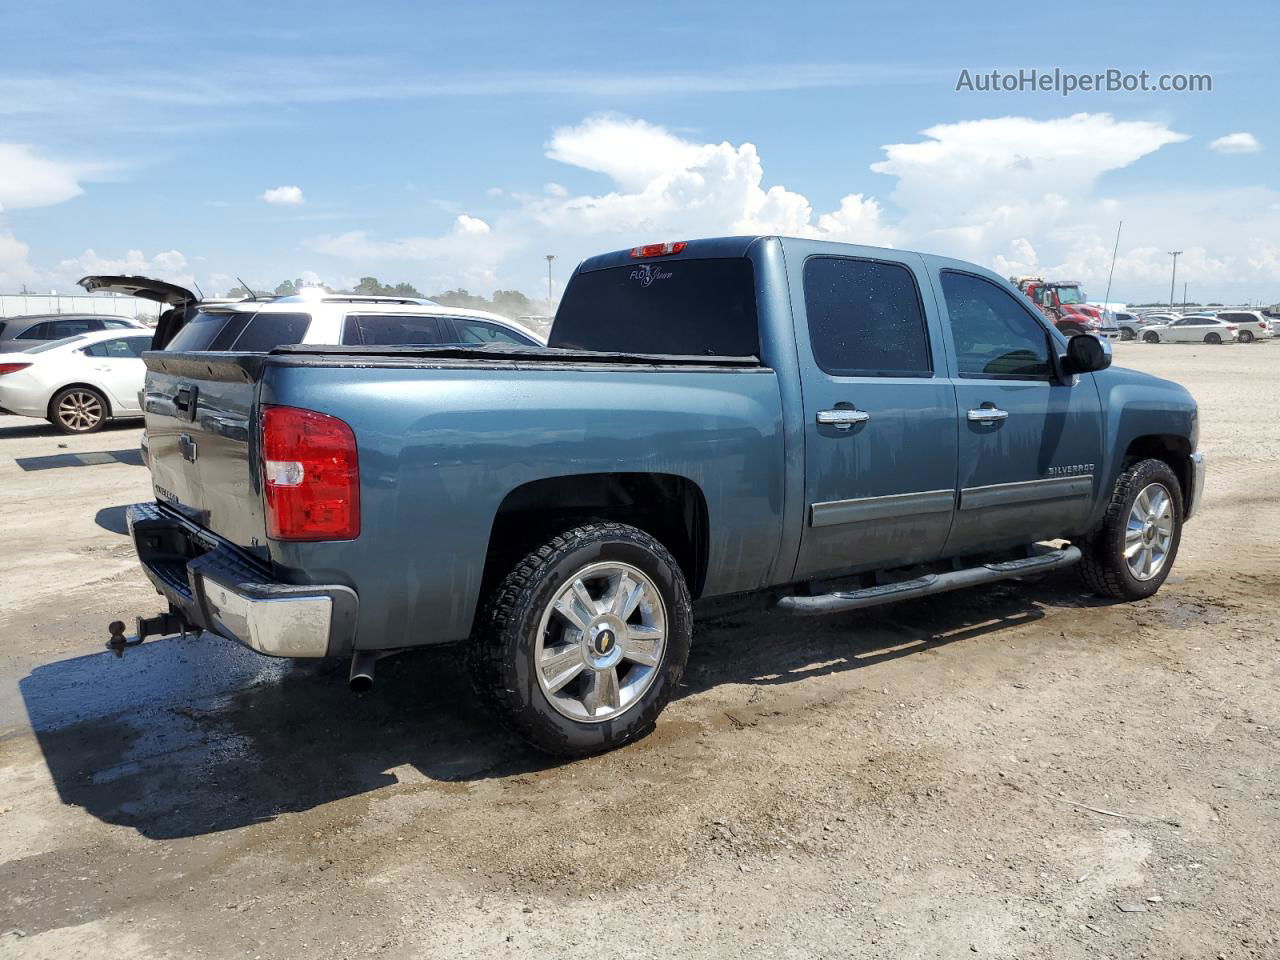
(200, 432)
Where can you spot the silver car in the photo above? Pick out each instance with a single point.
(23, 333)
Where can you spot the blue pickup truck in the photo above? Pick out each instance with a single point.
(837, 425)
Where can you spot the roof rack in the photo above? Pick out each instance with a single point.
(359, 298)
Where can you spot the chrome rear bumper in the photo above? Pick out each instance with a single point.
(217, 588)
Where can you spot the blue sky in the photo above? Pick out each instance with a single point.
(456, 144)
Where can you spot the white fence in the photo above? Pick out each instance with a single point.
(107, 305)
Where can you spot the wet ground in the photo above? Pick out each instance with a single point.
(1022, 771)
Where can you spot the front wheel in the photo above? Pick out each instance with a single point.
(1132, 552)
(78, 410)
(1212, 338)
(583, 644)
(1151, 337)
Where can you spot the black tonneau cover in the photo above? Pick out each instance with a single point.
(246, 367)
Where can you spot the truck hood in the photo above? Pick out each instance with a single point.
(1083, 310)
(158, 291)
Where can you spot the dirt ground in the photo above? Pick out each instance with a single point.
(1014, 772)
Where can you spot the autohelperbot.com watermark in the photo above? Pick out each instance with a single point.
(1066, 82)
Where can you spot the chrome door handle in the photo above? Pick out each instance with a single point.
(988, 414)
(842, 419)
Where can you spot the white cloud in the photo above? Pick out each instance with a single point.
(286, 196)
(1013, 193)
(15, 271)
(973, 186)
(1236, 143)
(171, 265)
(465, 224)
(30, 180)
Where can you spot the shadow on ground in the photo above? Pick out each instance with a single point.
(31, 427)
(188, 737)
(113, 519)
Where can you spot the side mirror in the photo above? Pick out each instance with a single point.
(1085, 354)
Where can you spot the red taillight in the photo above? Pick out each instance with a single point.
(1230, 326)
(659, 249)
(310, 475)
(12, 367)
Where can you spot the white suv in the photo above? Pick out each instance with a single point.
(1251, 324)
(314, 317)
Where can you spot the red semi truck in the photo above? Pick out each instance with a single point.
(1063, 303)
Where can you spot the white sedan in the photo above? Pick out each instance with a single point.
(1190, 330)
(78, 383)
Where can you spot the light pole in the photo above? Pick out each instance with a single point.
(1174, 279)
(550, 257)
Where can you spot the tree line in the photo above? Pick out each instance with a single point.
(510, 303)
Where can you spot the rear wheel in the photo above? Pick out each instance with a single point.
(1246, 336)
(78, 410)
(583, 644)
(1212, 338)
(1151, 337)
(1132, 552)
(1127, 334)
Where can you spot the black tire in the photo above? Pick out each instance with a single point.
(1127, 334)
(1104, 568)
(1212, 339)
(78, 410)
(1246, 336)
(1151, 337)
(502, 651)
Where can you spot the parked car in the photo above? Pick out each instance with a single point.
(22, 333)
(711, 417)
(312, 318)
(1129, 324)
(1252, 325)
(1192, 329)
(78, 383)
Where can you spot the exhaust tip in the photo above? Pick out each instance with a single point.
(362, 664)
(361, 683)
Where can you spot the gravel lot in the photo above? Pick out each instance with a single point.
(1013, 772)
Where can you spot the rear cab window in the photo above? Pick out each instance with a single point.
(240, 331)
(667, 307)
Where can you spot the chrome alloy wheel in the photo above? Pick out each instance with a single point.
(600, 642)
(80, 410)
(1149, 532)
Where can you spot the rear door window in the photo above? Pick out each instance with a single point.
(39, 331)
(668, 307)
(865, 318)
(471, 331)
(71, 328)
(120, 348)
(392, 330)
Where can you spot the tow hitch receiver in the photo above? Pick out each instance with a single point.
(158, 626)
